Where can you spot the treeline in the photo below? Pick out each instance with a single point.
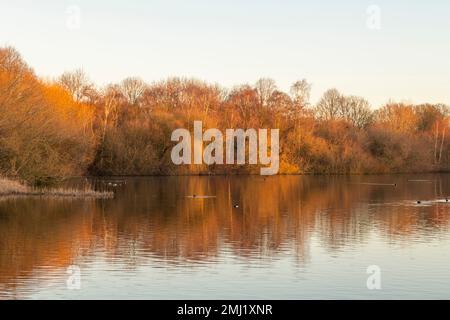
(70, 127)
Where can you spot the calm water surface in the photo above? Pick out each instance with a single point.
(284, 237)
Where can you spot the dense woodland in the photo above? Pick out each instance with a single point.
(69, 126)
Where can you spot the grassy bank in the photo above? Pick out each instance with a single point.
(14, 188)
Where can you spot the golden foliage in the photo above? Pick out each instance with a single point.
(67, 127)
(44, 133)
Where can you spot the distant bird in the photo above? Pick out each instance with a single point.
(418, 201)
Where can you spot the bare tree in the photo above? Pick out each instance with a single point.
(38, 142)
(132, 89)
(78, 85)
(11, 61)
(356, 110)
(265, 87)
(329, 105)
(398, 116)
(18, 88)
(300, 93)
(281, 102)
(353, 109)
(442, 145)
(111, 98)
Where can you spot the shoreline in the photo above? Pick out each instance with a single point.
(13, 188)
(256, 174)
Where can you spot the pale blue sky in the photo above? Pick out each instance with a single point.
(233, 42)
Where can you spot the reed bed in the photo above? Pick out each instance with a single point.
(15, 188)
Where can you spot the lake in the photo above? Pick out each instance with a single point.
(240, 237)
